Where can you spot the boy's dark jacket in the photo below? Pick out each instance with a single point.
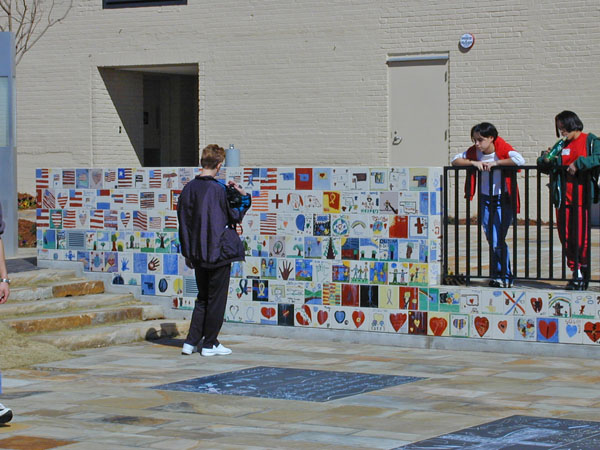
(589, 162)
(205, 217)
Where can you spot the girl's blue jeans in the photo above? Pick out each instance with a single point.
(497, 219)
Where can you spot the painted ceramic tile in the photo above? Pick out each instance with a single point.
(303, 316)
(417, 227)
(332, 202)
(285, 314)
(286, 269)
(547, 329)
(242, 289)
(591, 331)
(313, 202)
(409, 298)
(277, 201)
(294, 202)
(369, 202)
(378, 225)
(340, 225)
(332, 248)
(584, 306)
(313, 293)
(438, 324)
(480, 326)
(350, 202)
(359, 272)
(408, 203)
(294, 246)
(252, 267)
(417, 179)
(435, 273)
(389, 297)
(398, 321)
(398, 273)
(369, 249)
(398, 179)
(260, 290)
(332, 294)
(536, 304)
(340, 178)
(435, 178)
(398, 227)
(268, 179)
(502, 327)
(304, 270)
(418, 275)
(286, 178)
(268, 313)
(268, 268)
(313, 247)
(304, 179)
(322, 271)
(359, 225)
(322, 179)
(378, 179)
(369, 296)
(359, 179)
(450, 301)
(277, 292)
(514, 302)
(388, 202)
(350, 295)
(492, 301)
(560, 304)
(251, 312)
(378, 321)
(295, 292)
(525, 328)
(321, 316)
(471, 301)
(233, 312)
(417, 322)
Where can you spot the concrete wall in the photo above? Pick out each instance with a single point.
(297, 83)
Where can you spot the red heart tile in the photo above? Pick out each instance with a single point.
(359, 318)
(438, 325)
(482, 324)
(322, 317)
(397, 320)
(592, 330)
(547, 328)
(268, 312)
(536, 304)
(502, 325)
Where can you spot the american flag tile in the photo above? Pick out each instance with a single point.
(170, 222)
(70, 218)
(43, 218)
(269, 182)
(48, 199)
(110, 179)
(125, 177)
(155, 178)
(141, 179)
(62, 198)
(140, 221)
(97, 219)
(56, 218)
(42, 178)
(68, 178)
(75, 198)
(147, 200)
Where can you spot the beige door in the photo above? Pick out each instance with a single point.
(418, 111)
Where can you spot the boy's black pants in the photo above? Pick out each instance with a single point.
(209, 309)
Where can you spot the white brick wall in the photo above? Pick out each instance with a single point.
(294, 83)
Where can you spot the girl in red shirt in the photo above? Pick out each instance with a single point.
(572, 216)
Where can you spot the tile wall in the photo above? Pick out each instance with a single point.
(345, 248)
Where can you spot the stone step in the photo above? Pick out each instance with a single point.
(50, 305)
(114, 334)
(55, 322)
(70, 288)
(37, 277)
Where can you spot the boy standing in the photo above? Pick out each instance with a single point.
(5, 413)
(209, 244)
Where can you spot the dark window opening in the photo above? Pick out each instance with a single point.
(108, 4)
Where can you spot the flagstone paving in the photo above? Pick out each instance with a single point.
(107, 398)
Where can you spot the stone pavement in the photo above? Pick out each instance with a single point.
(103, 398)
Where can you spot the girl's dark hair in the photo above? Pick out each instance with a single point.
(485, 129)
(569, 121)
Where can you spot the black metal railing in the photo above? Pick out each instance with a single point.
(535, 252)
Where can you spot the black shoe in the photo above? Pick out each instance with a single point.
(6, 414)
(496, 283)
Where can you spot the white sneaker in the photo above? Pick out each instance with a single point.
(217, 350)
(189, 349)
(6, 414)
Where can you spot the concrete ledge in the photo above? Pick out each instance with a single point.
(413, 341)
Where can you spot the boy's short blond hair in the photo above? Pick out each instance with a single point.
(212, 155)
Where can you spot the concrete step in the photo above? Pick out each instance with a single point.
(37, 277)
(55, 322)
(62, 288)
(50, 305)
(114, 334)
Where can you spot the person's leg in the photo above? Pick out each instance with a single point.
(486, 223)
(505, 220)
(198, 316)
(217, 301)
